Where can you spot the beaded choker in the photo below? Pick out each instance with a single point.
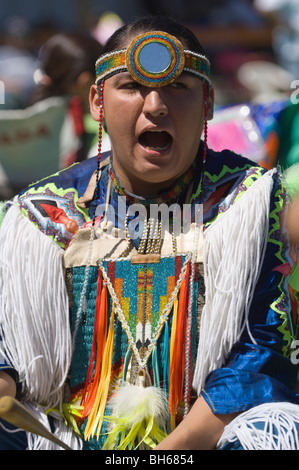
(168, 196)
(153, 59)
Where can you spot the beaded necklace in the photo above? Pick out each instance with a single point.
(168, 196)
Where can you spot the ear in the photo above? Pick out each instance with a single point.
(94, 102)
(210, 110)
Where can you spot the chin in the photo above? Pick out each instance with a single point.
(155, 173)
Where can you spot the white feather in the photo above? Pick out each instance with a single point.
(149, 401)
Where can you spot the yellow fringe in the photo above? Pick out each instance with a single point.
(173, 328)
(172, 341)
(95, 418)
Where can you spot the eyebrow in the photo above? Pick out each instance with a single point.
(122, 75)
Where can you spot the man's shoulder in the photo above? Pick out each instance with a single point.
(75, 177)
(227, 162)
(51, 203)
(227, 176)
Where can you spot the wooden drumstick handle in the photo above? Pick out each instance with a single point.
(12, 411)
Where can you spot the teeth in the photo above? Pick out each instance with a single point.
(158, 149)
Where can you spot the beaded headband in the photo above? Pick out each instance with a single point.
(153, 59)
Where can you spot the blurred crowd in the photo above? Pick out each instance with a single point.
(47, 65)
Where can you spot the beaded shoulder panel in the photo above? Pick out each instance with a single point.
(51, 204)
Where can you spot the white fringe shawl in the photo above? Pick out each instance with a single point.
(234, 249)
(34, 310)
(271, 426)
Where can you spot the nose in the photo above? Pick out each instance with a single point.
(154, 103)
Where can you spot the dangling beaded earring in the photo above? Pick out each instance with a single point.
(205, 109)
(101, 118)
(83, 302)
(205, 133)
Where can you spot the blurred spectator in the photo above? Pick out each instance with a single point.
(17, 67)
(265, 81)
(55, 130)
(67, 68)
(291, 180)
(284, 14)
(285, 137)
(107, 24)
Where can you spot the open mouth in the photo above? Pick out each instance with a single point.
(158, 141)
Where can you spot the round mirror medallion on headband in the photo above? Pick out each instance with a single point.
(153, 59)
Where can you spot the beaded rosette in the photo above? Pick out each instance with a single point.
(153, 59)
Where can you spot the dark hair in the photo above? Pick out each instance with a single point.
(63, 58)
(151, 23)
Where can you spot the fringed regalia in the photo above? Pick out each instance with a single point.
(120, 338)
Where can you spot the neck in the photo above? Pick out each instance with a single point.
(144, 189)
(152, 192)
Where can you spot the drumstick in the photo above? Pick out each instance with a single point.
(12, 411)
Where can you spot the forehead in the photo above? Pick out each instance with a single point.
(125, 76)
